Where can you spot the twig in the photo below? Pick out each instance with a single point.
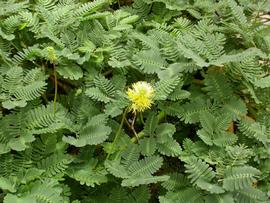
(132, 125)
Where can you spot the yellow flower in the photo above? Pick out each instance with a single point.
(141, 95)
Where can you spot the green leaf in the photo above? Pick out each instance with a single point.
(146, 166)
(237, 178)
(198, 169)
(96, 94)
(88, 173)
(142, 194)
(165, 130)
(227, 198)
(150, 124)
(212, 188)
(170, 148)
(171, 71)
(94, 132)
(217, 86)
(116, 169)
(30, 175)
(13, 104)
(90, 7)
(171, 4)
(251, 194)
(8, 37)
(236, 108)
(130, 155)
(254, 130)
(7, 184)
(89, 135)
(187, 194)
(237, 12)
(21, 143)
(72, 72)
(176, 182)
(149, 62)
(164, 88)
(190, 54)
(143, 180)
(54, 165)
(190, 112)
(10, 198)
(250, 52)
(147, 146)
(263, 82)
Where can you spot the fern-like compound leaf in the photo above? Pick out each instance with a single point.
(145, 167)
(197, 169)
(237, 178)
(143, 180)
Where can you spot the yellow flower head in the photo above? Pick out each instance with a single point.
(141, 95)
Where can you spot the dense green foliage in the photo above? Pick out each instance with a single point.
(66, 134)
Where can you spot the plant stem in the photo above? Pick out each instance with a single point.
(117, 133)
(55, 88)
(139, 135)
(132, 125)
(135, 133)
(131, 128)
(141, 118)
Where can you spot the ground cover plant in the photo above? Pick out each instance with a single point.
(134, 101)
